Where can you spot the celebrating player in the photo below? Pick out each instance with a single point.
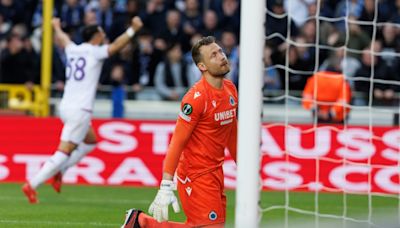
(206, 125)
(84, 63)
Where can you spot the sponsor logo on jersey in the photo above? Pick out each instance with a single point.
(232, 100)
(225, 115)
(212, 215)
(196, 95)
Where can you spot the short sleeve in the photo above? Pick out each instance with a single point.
(192, 107)
(100, 52)
(69, 47)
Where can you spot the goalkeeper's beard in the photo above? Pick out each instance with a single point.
(220, 74)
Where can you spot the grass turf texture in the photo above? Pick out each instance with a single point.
(99, 206)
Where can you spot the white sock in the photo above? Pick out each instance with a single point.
(50, 167)
(77, 155)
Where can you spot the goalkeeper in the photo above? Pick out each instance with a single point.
(206, 125)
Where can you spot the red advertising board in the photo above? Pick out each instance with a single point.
(298, 157)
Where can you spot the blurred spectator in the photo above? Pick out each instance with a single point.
(172, 33)
(171, 78)
(122, 18)
(299, 10)
(191, 17)
(12, 11)
(396, 14)
(5, 28)
(271, 78)
(390, 44)
(229, 44)
(357, 39)
(193, 71)
(118, 91)
(299, 73)
(105, 16)
(327, 93)
(327, 8)
(90, 18)
(154, 16)
(347, 8)
(37, 15)
(229, 15)
(368, 14)
(210, 27)
(278, 25)
(349, 65)
(306, 54)
(144, 62)
(120, 6)
(71, 15)
(371, 64)
(58, 68)
(17, 63)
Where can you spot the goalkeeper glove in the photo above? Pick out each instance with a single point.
(165, 196)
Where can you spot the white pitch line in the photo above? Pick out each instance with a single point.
(80, 200)
(58, 223)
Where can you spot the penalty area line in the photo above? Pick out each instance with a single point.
(2, 221)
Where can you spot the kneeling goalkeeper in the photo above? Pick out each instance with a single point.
(207, 124)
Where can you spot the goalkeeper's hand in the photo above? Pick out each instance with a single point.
(164, 197)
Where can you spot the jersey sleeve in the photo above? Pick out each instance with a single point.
(192, 107)
(232, 141)
(100, 52)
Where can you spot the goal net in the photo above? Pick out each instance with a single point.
(330, 139)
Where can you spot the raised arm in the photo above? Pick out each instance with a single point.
(62, 38)
(123, 39)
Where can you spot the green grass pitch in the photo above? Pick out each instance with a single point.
(100, 206)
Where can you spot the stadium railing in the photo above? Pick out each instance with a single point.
(19, 99)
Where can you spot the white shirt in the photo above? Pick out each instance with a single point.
(84, 63)
(298, 10)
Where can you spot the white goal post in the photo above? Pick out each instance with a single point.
(252, 38)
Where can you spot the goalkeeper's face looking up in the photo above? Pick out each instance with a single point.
(210, 58)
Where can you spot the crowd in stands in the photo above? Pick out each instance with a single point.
(159, 58)
(362, 35)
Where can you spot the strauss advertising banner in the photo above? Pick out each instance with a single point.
(298, 157)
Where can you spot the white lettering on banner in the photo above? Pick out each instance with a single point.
(230, 174)
(269, 145)
(90, 171)
(117, 138)
(161, 134)
(383, 178)
(133, 169)
(357, 145)
(32, 162)
(4, 172)
(392, 139)
(338, 177)
(282, 175)
(219, 116)
(321, 147)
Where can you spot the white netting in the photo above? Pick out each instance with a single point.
(352, 169)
